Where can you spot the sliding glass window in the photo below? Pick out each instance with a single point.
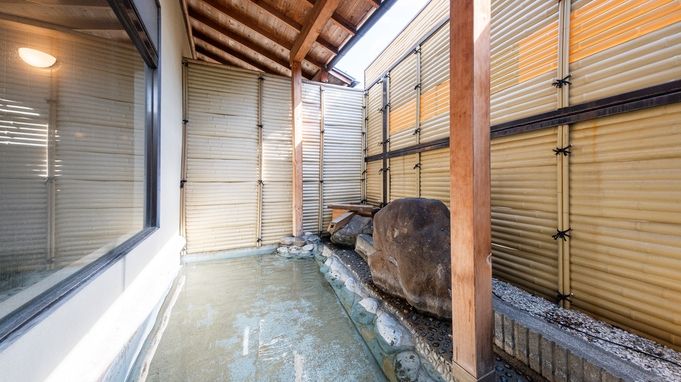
(78, 131)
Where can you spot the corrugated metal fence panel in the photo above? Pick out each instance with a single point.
(23, 148)
(525, 211)
(524, 50)
(403, 103)
(343, 157)
(311, 137)
(403, 177)
(429, 18)
(374, 181)
(435, 86)
(100, 148)
(616, 47)
(222, 161)
(277, 163)
(625, 212)
(435, 175)
(375, 120)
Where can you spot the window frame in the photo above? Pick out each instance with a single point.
(23, 319)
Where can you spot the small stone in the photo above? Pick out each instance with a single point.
(286, 240)
(391, 335)
(298, 241)
(282, 250)
(407, 365)
(365, 311)
(364, 246)
(295, 250)
(308, 233)
(308, 248)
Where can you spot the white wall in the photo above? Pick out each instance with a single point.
(82, 338)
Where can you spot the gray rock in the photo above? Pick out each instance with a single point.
(308, 233)
(282, 250)
(391, 335)
(407, 365)
(286, 240)
(298, 241)
(364, 246)
(413, 254)
(347, 235)
(308, 248)
(364, 311)
(295, 250)
(312, 239)
(327, 265)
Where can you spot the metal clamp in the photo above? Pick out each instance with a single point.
(182, 182)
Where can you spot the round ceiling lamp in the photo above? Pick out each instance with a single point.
(36, 58)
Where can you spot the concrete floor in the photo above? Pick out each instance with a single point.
(260, 318)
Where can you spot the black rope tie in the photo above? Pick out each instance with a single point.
(261, 182)
(384, 142)
(564, 297)
(562, 234)
(562, 82)
(182, 182)
(363, 201)
(418, 165)
(417, 131)
(565, 150)
(418, 86)
(384, 169)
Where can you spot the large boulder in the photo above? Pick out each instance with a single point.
(413, 254)
(347, 235)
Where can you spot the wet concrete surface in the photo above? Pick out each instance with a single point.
(260, 318)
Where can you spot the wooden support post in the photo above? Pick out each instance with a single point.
(297, 140)
(472, 323)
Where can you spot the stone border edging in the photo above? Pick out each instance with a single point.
(554, 353)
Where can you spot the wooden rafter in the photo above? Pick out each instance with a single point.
(318, 17)
(185, 11)
(292, 23)
(210, 23)
(225, 48)
(252, 24)
(340, 21)
(345, 24)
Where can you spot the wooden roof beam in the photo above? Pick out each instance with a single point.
(252, 24)
(374, 3)
(225, 48)
(341, 21)
(187, 24)
(292, 23)
(318, 17)
(345, 24)
(207, 21)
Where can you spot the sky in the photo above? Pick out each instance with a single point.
(378, 37)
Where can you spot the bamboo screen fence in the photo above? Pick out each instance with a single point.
(585, 212)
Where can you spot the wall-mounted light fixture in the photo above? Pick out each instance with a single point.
(36, 58)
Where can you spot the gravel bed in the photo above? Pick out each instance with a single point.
(596, 332)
